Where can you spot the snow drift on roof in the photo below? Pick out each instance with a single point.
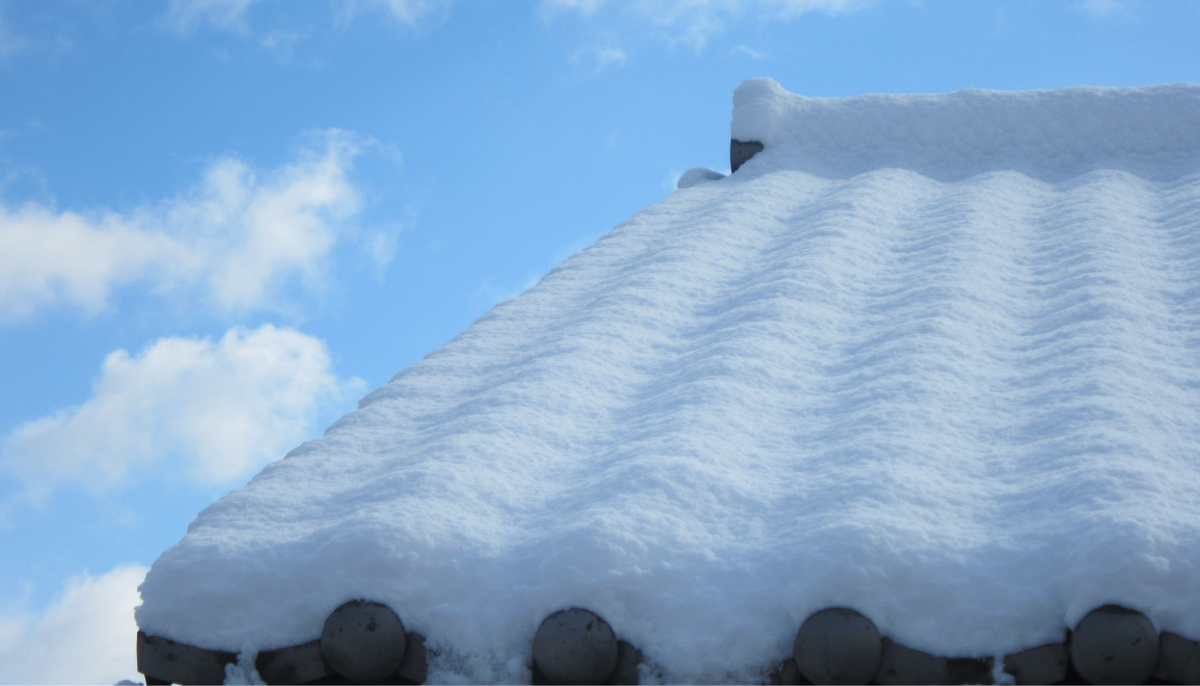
(1054, 135)
(968, 409)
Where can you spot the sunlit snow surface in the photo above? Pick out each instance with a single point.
(965, 404)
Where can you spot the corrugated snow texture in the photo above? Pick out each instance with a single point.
(970, 410)
(1153, 132)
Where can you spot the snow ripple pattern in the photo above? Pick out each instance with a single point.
(968, 409)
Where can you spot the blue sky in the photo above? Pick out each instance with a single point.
(223, 221)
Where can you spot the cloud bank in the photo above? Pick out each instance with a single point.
(239, 239)
(84, 638)
(219, 409)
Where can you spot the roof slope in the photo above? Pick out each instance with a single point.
(964, 402)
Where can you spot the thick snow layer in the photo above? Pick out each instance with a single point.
(969, 409)
(697, 175)
(1049, 135)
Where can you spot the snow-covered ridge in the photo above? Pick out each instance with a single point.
(1052, 135)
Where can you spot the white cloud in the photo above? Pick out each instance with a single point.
(693, 22)
(87, 637)
(239, 240)
(219, 410)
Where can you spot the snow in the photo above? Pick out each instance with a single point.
(1054, 135)
(955, 391)
(697, 175)
(999, 676)
(243, 672)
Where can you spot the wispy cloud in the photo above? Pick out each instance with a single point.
(185, 16)
(748, 52)
(410, 12)
(281, 43)
(238, 240)
(1101, 9)
(602, 58)
(84, 638)
(10, 42)
(694, 22)
(217, 409)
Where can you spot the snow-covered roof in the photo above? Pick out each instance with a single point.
(1050, 135)
(933, 357)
